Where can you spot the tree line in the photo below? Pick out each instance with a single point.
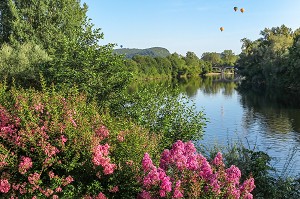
(176, 65)
(272, 60)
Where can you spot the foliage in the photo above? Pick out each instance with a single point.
(62, 29)
(152, 52)
(271, 60)
(257, 164)
(56, 144)
(173, 65)
(22, 63)
(184, 173)
(163, 112)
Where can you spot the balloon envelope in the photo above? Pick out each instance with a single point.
(235, 9)
(242, 10)
(221, 28)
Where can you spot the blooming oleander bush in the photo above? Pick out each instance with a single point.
(184, 173)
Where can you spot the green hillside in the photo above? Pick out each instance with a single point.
(153, 52)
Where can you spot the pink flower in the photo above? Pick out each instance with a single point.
(63, 139)
(248, 185)
(120, 138)
(162, 193)
(248, 196)
(144, 195)
(25, 164)
(33, 178)
(100, 159)
(233, 193)
(109, 168)
(115, 189)
(218, 160)
(58, 189)
(39, 107)
(55, 197)
(177, 194)
(67, 180)
(147, 163)
(50, 150)
(100, 196)
(51, 174)
(4, 186)
(164, 159)
(233, 174)
(102, 132)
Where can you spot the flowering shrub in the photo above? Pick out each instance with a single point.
(57, 145)
(184, 173)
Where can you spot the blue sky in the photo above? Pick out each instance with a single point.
(189, 25)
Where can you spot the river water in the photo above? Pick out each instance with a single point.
(268, 120)
(263, 120)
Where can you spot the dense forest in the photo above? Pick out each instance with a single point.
(272, 60)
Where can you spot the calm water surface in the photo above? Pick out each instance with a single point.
(269, 121)
(266, 120)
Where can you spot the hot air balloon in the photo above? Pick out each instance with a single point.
(235, 8)
(221, 28)
(242, 10)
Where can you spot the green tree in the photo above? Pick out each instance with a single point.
(265, 60)
(22, 63)
(212, 57)
(228, 58)
(179, 67)
(193, 63)
(64, 31)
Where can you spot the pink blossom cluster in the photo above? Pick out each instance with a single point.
(50, 150)
(63, 139)
(102, 132)
(4, 186)
(100, 158)
(21, 187)
(114, 189)
(184, 173)
(25, 164)
(34, 178)
(67, 180)
(8, 127)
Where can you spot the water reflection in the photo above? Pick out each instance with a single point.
(268, 119)
(278, 111)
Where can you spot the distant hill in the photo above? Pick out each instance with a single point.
(153, 52)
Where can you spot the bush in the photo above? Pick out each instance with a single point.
(164, 113)
(59, 145)
(257, 164)
(184, 173)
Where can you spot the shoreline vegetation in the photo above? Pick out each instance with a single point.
(69, 130)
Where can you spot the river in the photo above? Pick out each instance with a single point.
(267, 121)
